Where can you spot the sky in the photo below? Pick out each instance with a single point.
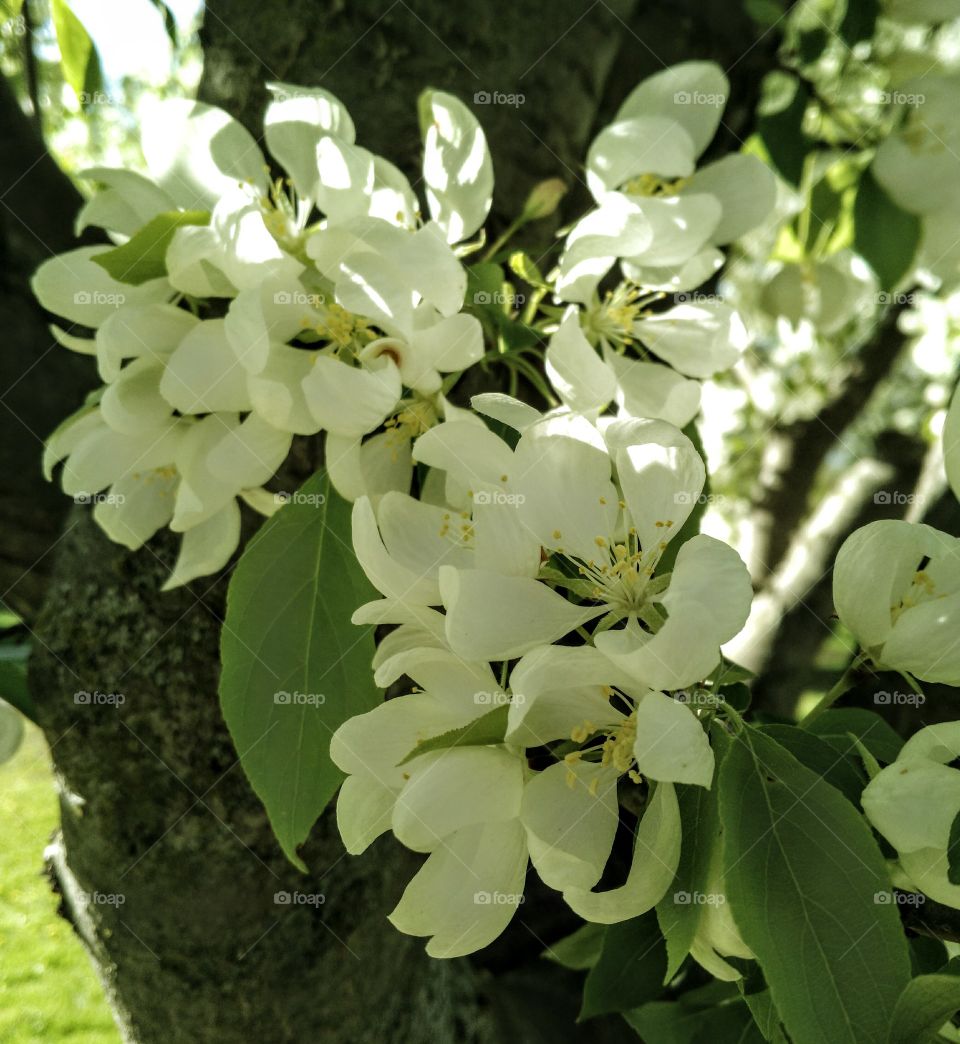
(130, 36)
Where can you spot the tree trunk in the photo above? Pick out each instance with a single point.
(165, 860)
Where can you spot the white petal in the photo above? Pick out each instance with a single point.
(103, 456)
(671, 745)
(207, 547)
(389, 576)
(152, 330)
(470, 452)
(925, 640)
(647, 389)
(746, 188)
(467, 892)
(454, 788)
(898, 803)
(345, 179)
(74, 286)
(137, 506)
(512, 412)
(198, 153)
(692, 93)
(194, 259)
(349, 400)
(699, 339)
(873, 571)
(276, 392)
(656, 853)
(638, 145)
(369, 468)
(203, 375)
(133, 403)
(295, 121)
(571, 827)
(568, 500)
(125, 205)
(710, 575)
(951, 443)
(492, 617)
(422, 537)
(581, 378)
(364, 808)
(675, 279)
(249, 454)
(681, 225)
(457, 170)
(661, 475)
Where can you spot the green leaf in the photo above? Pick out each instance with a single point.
(523, 265)
(481, 732)
(802, 872)
(780, 123)
(630, 970)
(699, 856)
(13, 678)
(842, 772)
(580, 950)
(953, 851)
(859, 20)
(924, 1006)
(886, 236)
(671, 1022)
(835, 724)
(765, 1015)
(700, 819)
(144, 255)
(76, 47)
(294, 667)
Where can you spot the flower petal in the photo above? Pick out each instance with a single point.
(206, 548)
(656, 853)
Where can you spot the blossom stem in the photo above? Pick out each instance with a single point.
(842, 685)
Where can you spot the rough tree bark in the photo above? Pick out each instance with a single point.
(155, 807)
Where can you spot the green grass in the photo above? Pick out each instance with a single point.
(48, 990)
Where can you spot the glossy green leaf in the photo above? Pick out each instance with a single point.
(481, 732)
(293, 666)
(144, 255)
(630, 969)
(76, 47)
(885, 235)
(802, 875)
(925, 1005)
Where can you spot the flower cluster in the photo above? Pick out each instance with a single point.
(542, 574)
(238, 311)
(547, 590)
